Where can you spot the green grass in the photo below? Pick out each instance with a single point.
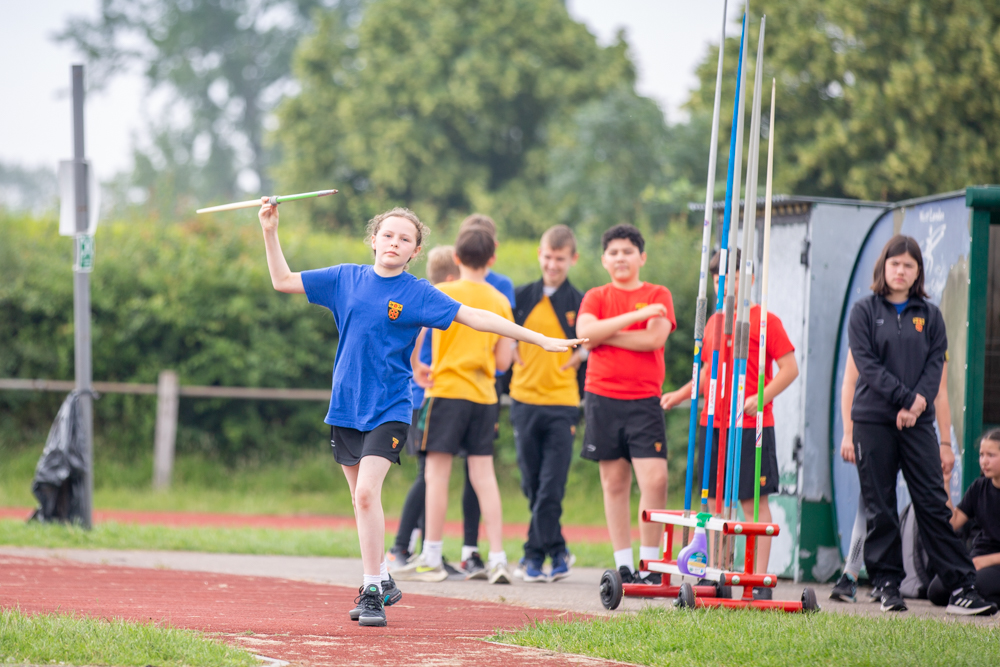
(261, 541)
(703, 637)
(58, 639)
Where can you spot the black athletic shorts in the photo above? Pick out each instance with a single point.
(623, 429)
(386, 440)
(459, 427)
(414, 435)
(768, 462)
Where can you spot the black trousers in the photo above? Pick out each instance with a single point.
(544, 437)
(881, 451)
(413, 508)
(987, 584)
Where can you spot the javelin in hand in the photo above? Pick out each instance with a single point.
(273, 200)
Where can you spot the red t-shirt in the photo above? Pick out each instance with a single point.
(616, 373)
(778, 346)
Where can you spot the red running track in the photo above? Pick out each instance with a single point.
(302, 522)
(301, 622)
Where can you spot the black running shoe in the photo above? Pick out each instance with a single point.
(968, 602)
(763, 593)
(875, 594)
(390, 596)
(846, 589)
(891, 599)
(474, 567)
(627, 575)
(369, 601)
(653, 579)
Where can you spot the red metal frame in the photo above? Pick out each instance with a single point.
(706, 596)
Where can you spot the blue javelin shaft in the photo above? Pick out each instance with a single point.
(720, 297)
(736, 433)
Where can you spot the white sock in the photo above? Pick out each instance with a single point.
(432, 553)
(648, 553)
(373, 580)
(414, 536)
(383, 571)
(497, 557)
(625, 557)
(467, 551)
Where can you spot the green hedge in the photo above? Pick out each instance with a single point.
(196, 297)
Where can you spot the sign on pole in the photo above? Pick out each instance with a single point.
(84, 253)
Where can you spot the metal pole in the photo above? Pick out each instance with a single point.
(81, 302)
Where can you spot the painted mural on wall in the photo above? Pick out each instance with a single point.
(941, 227)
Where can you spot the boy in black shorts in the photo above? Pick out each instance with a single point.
(627, 322)
(461, 411)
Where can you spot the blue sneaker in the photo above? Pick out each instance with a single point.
(561, 564)
(533, 570)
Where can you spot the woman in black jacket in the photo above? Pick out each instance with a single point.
(898, 341)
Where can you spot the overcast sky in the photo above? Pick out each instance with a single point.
(667, 38)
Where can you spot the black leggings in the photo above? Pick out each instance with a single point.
(987, 583)
(413, 509)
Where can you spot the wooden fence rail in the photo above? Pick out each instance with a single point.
(168, 392)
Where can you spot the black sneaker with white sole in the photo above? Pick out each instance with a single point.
(968, 602)
(892, 600)
(372, 610)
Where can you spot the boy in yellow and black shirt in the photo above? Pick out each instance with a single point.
(545, 400)
(462, 409)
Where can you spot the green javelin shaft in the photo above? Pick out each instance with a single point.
(272, 200)
(762, 355)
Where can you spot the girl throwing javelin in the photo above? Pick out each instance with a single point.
(379, 310)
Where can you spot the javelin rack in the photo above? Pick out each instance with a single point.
(719, 594)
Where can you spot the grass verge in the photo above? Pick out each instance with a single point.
(262, 541)
(701, 637)
(59, 639)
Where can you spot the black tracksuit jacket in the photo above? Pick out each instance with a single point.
(898, 357)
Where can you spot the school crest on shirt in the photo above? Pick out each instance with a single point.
(640, 305)
(395, 309)
(571, 318)
(918, 322)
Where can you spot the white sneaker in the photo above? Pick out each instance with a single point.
(418, 570)
(499, 574)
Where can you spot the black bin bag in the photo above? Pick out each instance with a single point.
(61, 471)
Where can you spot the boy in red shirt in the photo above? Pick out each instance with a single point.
(627, 322)
(779, 351)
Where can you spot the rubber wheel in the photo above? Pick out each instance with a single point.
(611, 589)
(809, 602)
(685, 597)
(725, 592)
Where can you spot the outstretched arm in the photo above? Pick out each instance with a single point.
(282, 277)
(484, 320)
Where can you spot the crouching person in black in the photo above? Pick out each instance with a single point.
(898, 341)
(981, 504)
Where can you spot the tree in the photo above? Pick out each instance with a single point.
(878, 100)
(226, 63)
(444, 105)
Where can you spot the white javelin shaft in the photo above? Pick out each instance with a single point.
(250, 203)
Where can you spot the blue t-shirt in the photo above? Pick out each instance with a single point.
(502, 284)
(900, 307)
(426, 356)
(378, 320)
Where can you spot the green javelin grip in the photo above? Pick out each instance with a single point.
(762, 355)
(272, 200)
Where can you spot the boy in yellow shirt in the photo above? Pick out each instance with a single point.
(462, 410)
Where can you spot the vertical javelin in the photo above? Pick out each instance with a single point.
(702, 307)
(762, 357)
(732, 183)
(740, 352)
